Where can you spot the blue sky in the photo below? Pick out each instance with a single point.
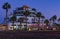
(47, 7)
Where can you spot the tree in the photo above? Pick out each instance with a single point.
(13, 19)
(59, 20)
(39, 16)
(42, 19)
(54, 19)
(47, 22)
(33, 9)
(20, 20)
(50, 21)
(26, 13)
(6, 6)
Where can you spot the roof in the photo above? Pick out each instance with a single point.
(3, 25)
(24, 6)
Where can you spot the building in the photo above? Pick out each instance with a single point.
(3, 27)
(32, 20)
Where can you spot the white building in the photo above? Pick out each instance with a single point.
(19, 14)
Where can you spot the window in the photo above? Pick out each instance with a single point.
(25, 26)
(11, 28)
(19, 25)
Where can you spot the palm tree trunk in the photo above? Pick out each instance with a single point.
(42, 23)
(49, 23)
(34, 19)
(20, 25)
(54, 23)
(6, 15)
(13, 25)
(39, 24)
(26, 24)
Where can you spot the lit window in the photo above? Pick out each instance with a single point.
(11, 28)
(14, 27)
(47, 27)
(54, 28)
(29, 29)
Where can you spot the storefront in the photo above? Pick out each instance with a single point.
(32, 27)
(3, 27)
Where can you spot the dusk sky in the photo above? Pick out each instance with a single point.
(47, 7)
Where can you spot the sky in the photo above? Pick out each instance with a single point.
(47, 7)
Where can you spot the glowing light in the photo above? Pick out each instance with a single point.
(54, 28)
(11, 28)
(47, 27)
(29, 29)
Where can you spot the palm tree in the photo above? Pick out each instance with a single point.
(26, 13)
(39, 16)
(42, 19)
(6, 6)
(20, 20)
(54, 19)
(13, 19)
(50, 21)
(59, 20)
(47, 22)
(58, 23)
(33, 9)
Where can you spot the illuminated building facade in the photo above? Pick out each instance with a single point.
(32, 20)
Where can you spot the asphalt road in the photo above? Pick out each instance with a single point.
(30, 35)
